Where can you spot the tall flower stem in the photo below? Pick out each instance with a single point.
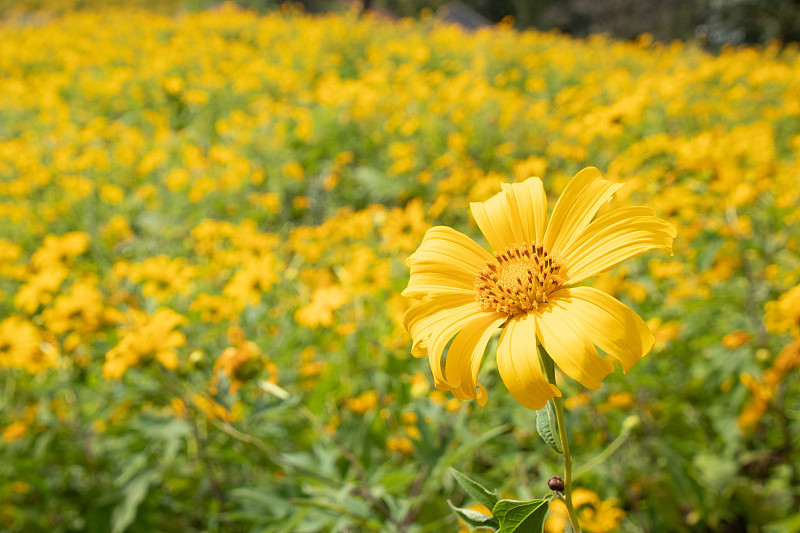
(550, 372)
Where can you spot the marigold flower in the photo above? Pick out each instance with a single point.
(527, 288)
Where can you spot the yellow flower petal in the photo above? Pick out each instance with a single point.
(614, 237)
(527, 210)
(518, 364)
(431, 320)
(492, 221)
(584, 195)
(565, 337)
(466, 353)
(613, 326)
(516, 215)
(446, 262)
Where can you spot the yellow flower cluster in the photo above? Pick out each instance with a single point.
(232, 196)
(782, 316)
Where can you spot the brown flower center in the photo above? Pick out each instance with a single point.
(518, 280)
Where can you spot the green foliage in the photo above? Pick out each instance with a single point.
(333, 142)
(547, 426)
(521, 517)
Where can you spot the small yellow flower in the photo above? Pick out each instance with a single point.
(735, 339)
(527, 289)
(148, 336)
(594, 515)
(14, 431)
(363, 402)
(324, 302)
(400, 444)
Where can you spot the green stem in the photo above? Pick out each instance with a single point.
(550, 371)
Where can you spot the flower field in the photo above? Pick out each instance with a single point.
(204, 226)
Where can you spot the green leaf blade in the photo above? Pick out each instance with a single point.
(477, 491)
(521, 517)
(546, 426)
(474, 519)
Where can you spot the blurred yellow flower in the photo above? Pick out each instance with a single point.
(324, 301)
(214, 410)
(400, 444)
(783, 314)
(21, 346)
(148, 336)
(240, 362)
(404, 226)
(363, 402)
(735, 339)
(15, 431)
(594, 515)
(525, 288)
(81, 310)
(162, 277)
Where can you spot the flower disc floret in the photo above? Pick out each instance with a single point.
(518, 280)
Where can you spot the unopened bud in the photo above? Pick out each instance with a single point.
(556, 483)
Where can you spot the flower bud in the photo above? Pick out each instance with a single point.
(556, 483)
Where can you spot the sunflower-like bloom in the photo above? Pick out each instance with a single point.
(527, 289)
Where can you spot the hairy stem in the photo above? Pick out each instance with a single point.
(549, 368)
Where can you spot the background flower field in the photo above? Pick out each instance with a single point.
(204, 220)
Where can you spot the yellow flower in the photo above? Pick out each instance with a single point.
(363, 402)
(735, 339)
(163, 276)
(149, 336)
(783, 314)
(81, 310)
(594, 515)
(15, 431)
(527, 288)
(324, 302)
(21, 345)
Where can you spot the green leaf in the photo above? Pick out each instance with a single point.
(474, 519)
(132, 495)
(521, 517)
(546, 426)
(478, 492)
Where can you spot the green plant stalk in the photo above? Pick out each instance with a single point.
(550, 371)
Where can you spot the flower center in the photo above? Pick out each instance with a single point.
(518, 280)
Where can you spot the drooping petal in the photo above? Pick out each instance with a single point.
(613, 238)
(613, 326)
(565, 337)
(432, 319)
(518, 364)
(515, 215)
(447, 261)
(466, 353)
(584, 195)
(431, 313)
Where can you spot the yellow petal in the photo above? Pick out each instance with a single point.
(527, 209)
(613, 326)
(518, 364)
(515, 215)
(446, 262)
(431, 319)
(466, 353)
(567, 340)
(584, 195)
(613, 238)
